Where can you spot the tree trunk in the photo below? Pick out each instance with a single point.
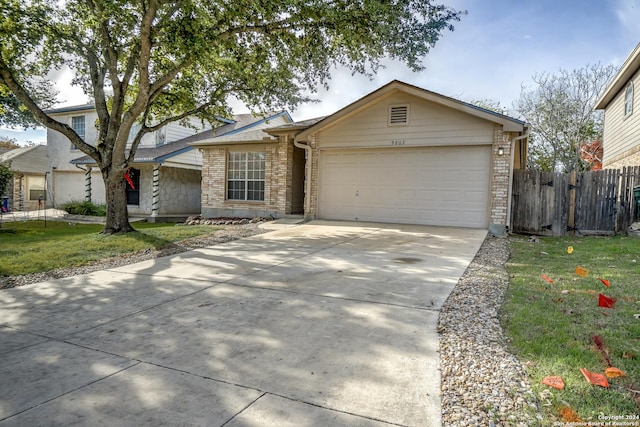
(117, 213)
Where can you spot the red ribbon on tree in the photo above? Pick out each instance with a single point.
(127, 176)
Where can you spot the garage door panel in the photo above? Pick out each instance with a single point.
(434, 185)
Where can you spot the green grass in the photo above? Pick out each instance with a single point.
(30, 247)
(550, 325)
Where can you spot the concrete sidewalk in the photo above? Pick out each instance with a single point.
(51, 214)
(319, 324)
(40, 214)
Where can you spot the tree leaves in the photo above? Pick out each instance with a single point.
(560, 109)
(153, 62)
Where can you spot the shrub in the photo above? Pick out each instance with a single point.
(76, 207)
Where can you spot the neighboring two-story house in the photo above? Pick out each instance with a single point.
(165, 177)
(621, 105)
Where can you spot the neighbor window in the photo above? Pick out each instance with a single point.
(132, 186)
(245, 175)
(77, 124)
(35, 186)
(161, 137)
(628, 99)
(133, 132)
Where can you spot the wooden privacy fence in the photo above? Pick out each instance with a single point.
(557, 204)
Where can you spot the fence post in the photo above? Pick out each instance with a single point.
(572, 203)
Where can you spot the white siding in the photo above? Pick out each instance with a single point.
(59, 147)
(67, 186)
(621, 133)
(175, 131)
(191, 159)
(430, 124)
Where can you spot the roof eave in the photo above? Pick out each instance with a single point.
(212, 142)
(509, 124)
(630, 66)
(229, 142)
(71, 109)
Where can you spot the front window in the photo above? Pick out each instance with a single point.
(628, 99)
(132, 185)
(245, 176)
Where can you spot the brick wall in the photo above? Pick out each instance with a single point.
(278, 181)
(499, 194)
(213, 176)
(313, 204)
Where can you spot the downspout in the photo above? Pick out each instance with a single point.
(87, 182)
(155, 193)
(513, 146)
(307, 175)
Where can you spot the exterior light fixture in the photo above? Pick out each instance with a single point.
(500, 151)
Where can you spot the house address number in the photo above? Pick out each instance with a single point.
(397, 142)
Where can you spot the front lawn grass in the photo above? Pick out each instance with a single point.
(551, 325)
(30, 247)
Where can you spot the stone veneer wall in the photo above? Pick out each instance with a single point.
(179, 191)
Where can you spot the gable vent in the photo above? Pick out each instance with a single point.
(398, 115)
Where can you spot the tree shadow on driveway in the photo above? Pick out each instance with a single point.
(237, 332)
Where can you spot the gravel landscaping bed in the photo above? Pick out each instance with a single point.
(483, 384)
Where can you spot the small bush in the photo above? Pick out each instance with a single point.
(76, 207)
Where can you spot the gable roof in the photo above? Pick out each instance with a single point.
(629, 68)
(31, 159)
(244, 133)
(510, 124)
(239, 123)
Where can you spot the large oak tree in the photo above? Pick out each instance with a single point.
(152, 62)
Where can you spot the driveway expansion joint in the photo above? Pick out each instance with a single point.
(69, 392)
(363, 301)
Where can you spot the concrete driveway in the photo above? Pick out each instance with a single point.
(320, 324)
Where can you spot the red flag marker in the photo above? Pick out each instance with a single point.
(554, 381)
(595, 378)
(606, 302)
(604, 282)
(547, 278)
(582, 272)
(613, 372)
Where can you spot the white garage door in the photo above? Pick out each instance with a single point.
(434, 186)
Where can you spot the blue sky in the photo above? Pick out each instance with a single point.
(495, 49)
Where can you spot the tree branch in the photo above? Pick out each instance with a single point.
(9, 80)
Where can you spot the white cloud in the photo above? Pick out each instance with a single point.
(68, 94)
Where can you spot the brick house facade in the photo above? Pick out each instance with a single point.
(400, 154)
